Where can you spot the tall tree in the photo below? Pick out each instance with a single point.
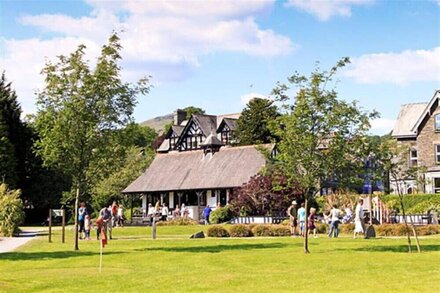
(190, 110)
(253, 124)
(320, 135)
(79, 110)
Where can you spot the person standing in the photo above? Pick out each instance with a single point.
(206, 214)
(82, 212)
(88, 226)
(293, 215)
(334, 224)
(164, 212)
(121, 219)
(359, 226)
(302, 220)
(311, 222)
(106, 217)
(114, 210)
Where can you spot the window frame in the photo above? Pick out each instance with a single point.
(413, 160)
(437, 153)
(437, 122)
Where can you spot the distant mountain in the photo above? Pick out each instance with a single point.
(158, 123)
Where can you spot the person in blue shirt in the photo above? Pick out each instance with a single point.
(82, 212)
(206, 213)
(302, 220)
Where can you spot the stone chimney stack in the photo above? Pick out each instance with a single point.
(179, 116)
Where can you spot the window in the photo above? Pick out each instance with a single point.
(436, 185)
(437, 122)
(437, 153)
(413, 158)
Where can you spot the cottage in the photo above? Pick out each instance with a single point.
(418, 128)
(196, 164)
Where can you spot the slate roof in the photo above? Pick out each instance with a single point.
(408, 116)
(227, 168)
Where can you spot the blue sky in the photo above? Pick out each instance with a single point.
(218, 54)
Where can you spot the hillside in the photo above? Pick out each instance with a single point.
(158, 123)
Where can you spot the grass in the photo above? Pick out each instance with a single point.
(133, 262)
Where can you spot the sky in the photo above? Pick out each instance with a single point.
(218, 54)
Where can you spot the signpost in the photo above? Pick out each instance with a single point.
(58, 213)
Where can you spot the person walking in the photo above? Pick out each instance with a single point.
(121, 218)
(293, 215)
(334, 225)
(106, 217)
(359, 226)
(82, 212)
(114, 211)
(206, 214)
(88, 226)
(311, 222)
(302, 220)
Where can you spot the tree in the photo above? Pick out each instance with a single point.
(78, 113)
(320, 135)
(11, 210)
(393, 159)
(190, 110)
(252, 126)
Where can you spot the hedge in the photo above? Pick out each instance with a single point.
(240, 230)
(217, 231)
(178, 222)
(222, 215)
(414, 203)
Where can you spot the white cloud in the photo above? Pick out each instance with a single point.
(326, 9)
(382, 125)
(163, 38)
(399, 68)
(249, 96)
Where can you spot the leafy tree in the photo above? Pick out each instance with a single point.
(79, 110)
(253, 124)
(11, 210)
(320, 135)
(190, 110)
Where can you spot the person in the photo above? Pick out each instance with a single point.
(114, 210)
(110, 223)
(99, 226)
(334, 224)
(121, 216)
(176, 212)
(150, 212)
(292, 213)
(184, 211)
(88, 226)
(206, 214)
(302, 220)
(359, 226)
(106, 216)
(164, 212)
(82, 212)
(348, 215)
(311, 222)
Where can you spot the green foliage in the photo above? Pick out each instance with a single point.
(79, 111)
(413, 203)
(253, 124)
(178, 222)
(190, 110)
(240, 230)
(217, 231)
(11, 210)
(271, 230)
(261, 230)
(222, 215)
(400, 230)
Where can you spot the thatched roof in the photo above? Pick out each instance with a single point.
(229, 167)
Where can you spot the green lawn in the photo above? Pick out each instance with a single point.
(133, 262)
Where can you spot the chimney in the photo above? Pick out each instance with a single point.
(179, 116)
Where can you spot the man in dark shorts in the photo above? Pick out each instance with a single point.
(293, 215)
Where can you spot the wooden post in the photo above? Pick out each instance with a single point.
(50, 225)
(131, 209)
(63, 235)
(154, 226)
(76, 219)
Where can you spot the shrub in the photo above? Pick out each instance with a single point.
(414, 203)
(217, 231)
(222, 215)
(346, 228)
(11, 210)
(178, 222)
(400, 230)
(321, 228)
(240, 230)
(261, 230)
(279, 230)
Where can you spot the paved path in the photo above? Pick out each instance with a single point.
(8, 244)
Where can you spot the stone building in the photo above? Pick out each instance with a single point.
(418, 128)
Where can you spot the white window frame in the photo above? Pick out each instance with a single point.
(437, 122)
(437, 153)
(413, 159)
(435, 189)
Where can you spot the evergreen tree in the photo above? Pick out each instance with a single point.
(253, 124)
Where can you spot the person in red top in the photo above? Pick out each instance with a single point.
(114, 213)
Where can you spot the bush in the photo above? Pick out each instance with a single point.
(400, 230)
(178, 222)
(261, 230)
(221, 215)
(11, 210)
(346, 228)
(279, 230)
(414, 203)
(321, 228)
(217, 231)
(240, 230)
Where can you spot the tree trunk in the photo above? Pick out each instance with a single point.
(406, 223)
(415, 234)
(76, 218)
(306, 228)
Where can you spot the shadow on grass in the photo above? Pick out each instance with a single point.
(216, 248)
(41, 255)
(395, 248)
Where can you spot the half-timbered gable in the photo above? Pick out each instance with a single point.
(226, 130)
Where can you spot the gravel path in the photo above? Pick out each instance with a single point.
(8, 244)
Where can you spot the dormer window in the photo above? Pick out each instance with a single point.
(437, 122)
(413, 158)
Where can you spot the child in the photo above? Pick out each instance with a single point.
(87, 227)
(311, 222)
(99, 223)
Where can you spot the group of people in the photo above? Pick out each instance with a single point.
(109, 217)
(334, 217)
(162, 211)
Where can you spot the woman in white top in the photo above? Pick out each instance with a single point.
(334, 225)
(359, 226)
(164, 212)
